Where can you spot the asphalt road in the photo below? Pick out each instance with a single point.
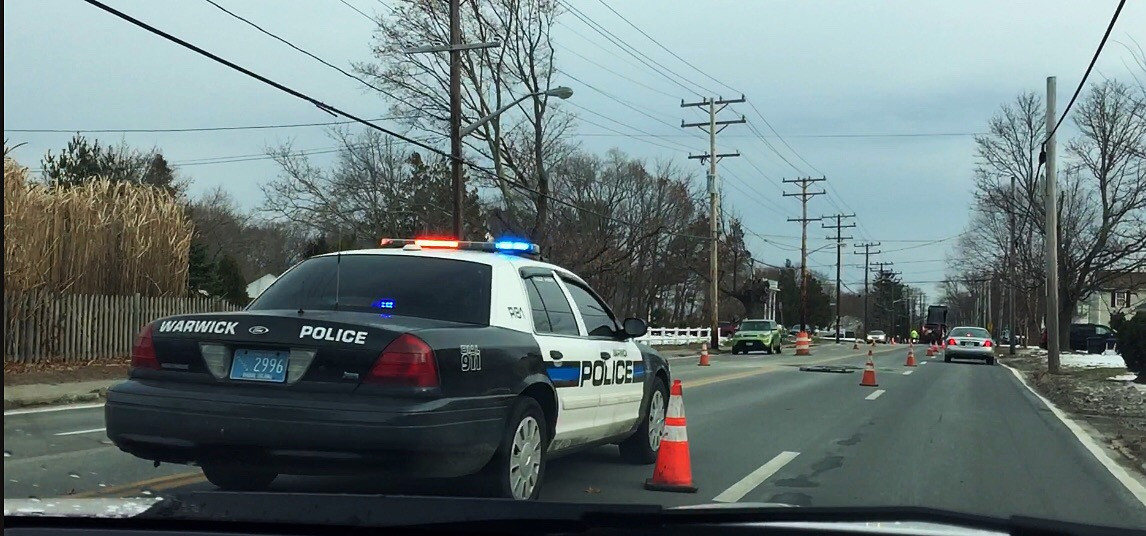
(961, 436)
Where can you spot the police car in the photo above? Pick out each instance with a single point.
(432, 358)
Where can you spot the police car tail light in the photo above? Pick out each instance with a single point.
(143, 351)
(952, 342)
(407, 361)
(987, 343)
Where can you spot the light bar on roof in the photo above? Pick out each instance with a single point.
(506, 245)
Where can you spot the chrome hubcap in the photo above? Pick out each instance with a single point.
(656, 419)
(525, 458)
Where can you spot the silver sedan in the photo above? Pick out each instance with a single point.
(968, 342)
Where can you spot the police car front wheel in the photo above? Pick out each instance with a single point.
(517, 469)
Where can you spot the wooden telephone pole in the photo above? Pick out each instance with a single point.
(804, 196)
(713, 127)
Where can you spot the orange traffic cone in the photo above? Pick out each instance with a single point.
(703, 355)
(868, 379)
(856, 345)
(673, 471)
(893, 341)
(910, 356)
(931, 350)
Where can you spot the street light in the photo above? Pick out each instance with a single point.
(560, 92)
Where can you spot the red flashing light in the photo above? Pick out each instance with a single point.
(951, 342)
(143, 351)
(436, 243)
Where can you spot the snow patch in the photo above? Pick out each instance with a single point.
(1103, 360)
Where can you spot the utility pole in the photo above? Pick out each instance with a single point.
(1051, 208)
(1012, 274)
(867, 253)
(839, 238)
(881, 268)
(804, 196)
(713, 127)
(456, 116)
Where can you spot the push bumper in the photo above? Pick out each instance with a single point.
(308, 433)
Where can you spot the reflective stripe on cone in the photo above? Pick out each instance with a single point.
(673, 471)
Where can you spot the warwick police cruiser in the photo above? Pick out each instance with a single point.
(425, 357)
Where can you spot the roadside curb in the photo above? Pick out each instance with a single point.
(56, 399)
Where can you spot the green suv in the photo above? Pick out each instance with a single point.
(757, 335)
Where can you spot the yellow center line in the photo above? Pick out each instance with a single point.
(157, 483)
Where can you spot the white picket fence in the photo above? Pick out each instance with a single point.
(76, 328)
(675, 336)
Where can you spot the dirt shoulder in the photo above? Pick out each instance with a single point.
(54, 373)
(1115, 409)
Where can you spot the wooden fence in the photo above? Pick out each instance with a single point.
(41, 326)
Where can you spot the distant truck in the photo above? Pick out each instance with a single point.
(935, 328)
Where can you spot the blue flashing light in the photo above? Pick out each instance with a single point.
(512, 245)
(384, 303)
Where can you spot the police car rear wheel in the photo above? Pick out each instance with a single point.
(642, 447)
(517, 469)
(233, 478)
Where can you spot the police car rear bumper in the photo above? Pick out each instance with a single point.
(309, 433)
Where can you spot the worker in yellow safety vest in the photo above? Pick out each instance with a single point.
(914, 336)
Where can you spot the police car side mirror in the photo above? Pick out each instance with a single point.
(634, 327)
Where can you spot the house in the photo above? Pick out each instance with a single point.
(1125, 294)
(256, 287)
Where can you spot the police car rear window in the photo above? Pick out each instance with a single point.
(424, 287)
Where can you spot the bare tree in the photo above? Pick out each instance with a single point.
(519, 143)
(375, 189)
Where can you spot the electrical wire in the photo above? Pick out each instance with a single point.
(632, 51)
(312, 56)
(360, 12)
(317, 103)
(1089, 68)
(191, 129)
(666, 49)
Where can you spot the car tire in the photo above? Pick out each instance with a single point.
(525, 431)
(779, 347)
(768, 350)
(235, 478)
(946, 358)
(642, 447)
(990, 360)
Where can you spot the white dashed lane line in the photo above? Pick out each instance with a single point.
(78, 432)
(907, 372)
(738, 490)
(875, 394)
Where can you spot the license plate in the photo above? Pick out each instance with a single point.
(259, 365)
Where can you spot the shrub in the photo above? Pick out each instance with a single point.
(1131, 335)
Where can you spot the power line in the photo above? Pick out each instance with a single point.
(335, 111)
(666, 49)
(632, 51)
(859, 135)
(190, 129)
(636, 108)
(1090, 67)
(603, 68)
(312, 56)
(317, 103)
(678, 145)
(360, 12)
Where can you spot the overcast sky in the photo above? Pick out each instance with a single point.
(816, 70)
